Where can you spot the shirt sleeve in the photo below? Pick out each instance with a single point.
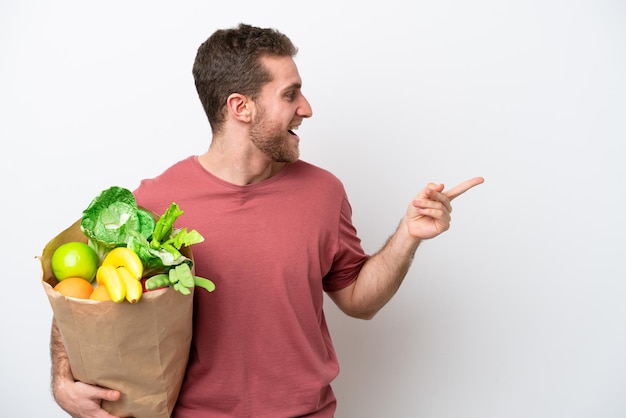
(350, 256)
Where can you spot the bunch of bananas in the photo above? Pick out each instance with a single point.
(120, 272)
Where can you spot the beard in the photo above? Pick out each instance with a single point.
(273, 140)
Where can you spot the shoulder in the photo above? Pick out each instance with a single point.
(177, 173)
(310, 171)
(159, 190)
(313, 185)
(179, 168)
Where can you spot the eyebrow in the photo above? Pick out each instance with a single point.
(297, 86)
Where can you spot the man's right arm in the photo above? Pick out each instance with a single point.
(78, 399)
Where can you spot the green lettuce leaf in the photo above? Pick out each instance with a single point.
(113, 219)
(166, 242)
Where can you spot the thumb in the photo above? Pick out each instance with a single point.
(109, 394)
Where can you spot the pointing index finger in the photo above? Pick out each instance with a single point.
(463, 187)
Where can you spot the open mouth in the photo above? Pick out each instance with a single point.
(292, 130)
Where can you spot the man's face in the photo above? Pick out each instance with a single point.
(280, 108)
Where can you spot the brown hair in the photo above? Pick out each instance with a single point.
(229, 62)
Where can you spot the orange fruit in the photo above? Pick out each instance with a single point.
(100, 293)
(76, 287)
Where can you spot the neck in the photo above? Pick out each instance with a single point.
(238, 167)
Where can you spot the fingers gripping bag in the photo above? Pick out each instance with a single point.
(139, 348)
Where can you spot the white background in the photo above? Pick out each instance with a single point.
(519, 310)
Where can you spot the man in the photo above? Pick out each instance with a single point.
(278, 234)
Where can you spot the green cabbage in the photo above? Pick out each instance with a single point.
(113, 219)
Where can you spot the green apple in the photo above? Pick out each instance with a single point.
(74, 259)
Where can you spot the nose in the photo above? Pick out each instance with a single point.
(304, 109)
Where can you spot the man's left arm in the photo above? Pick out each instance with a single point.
(427, 216)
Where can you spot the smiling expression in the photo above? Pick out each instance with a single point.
(280, 109)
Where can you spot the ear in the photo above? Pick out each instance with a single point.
(239, 106)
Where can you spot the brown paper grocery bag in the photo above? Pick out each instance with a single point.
(139, 349)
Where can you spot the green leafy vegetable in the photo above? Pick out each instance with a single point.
(113, 219)
(163, 249)
(163, 227)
